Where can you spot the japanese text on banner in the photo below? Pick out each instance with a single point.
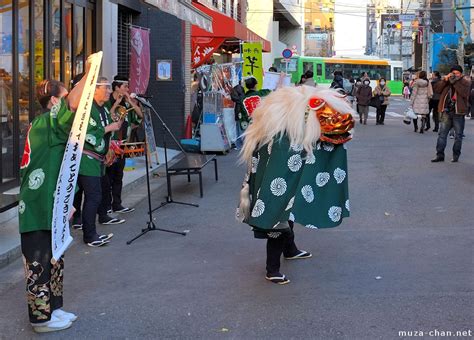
(252, 62)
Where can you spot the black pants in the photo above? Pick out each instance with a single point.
(91, 186)
(283, 244)
(380, 115)
(433, 105)
(115, 177)
(44, 281)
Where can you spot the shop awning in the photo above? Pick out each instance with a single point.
(227, 28)
(184, 11)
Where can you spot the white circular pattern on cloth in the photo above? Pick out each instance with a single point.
(269, 147)
(334, 213)
(310, 159)
(290, 203)
(322, 178)
(296, 147)
(101, 147)
(21, 207)
(348, 205)
(339, 175)
(291, 217)
(295, 163)
(310, 226)
(244, 125)
(258, 208)
(278, 186)
(55, 110)
(344, 146)
(90, 157)
(328, 147)
(36, 179)
(255, 161)
(91, 139)
(274, 234)
(307, 192)
(318, 146)
(92, 122)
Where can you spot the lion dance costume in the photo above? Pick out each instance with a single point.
(297, 168)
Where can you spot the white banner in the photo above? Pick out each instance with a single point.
(64, 194)
(272, 80)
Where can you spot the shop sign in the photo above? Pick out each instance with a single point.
(252, 62)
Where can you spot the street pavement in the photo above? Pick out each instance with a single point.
(403, 261)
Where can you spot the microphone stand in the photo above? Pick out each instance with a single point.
(150, 225)
(166, 129)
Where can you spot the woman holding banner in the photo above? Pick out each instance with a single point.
(44, 148)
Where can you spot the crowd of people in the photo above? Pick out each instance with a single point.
(114, 114)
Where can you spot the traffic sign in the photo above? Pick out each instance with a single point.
(287, 53)
(407, 17)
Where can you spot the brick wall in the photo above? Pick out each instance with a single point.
(166, 42)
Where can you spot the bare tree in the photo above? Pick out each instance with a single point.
(460, 53)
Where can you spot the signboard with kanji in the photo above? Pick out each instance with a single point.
(252, 62)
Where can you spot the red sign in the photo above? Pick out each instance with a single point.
(202, 49)
(139, 59)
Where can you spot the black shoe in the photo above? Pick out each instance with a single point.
(300, 255)
(416, 129)
(123, 210)
(421, 130)
(76, 223)
(455, 160)
(435, 130)
(381, 123)
(277, 278)
(437, 159)
(110, 220)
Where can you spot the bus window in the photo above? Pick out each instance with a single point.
(397, 73)
(319, 70)
(307, 66)
(330, 68)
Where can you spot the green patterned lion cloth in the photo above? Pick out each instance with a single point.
(287, 184)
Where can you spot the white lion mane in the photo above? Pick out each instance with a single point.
(283, 112)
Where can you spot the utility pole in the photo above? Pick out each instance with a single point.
(426, 31)
(401, 33)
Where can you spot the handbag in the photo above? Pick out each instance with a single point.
(374, 102)
(410, 113)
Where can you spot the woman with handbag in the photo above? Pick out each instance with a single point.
(382, 92)
(420, 98)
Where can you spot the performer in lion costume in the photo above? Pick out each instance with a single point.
(297, 169)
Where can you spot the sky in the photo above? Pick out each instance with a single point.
(351, 26)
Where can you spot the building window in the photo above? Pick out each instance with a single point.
(123, 41)
(38, 39)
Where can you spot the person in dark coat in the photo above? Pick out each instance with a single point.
(338, 82)
(237, 94)
(434, 102)
(363, 95)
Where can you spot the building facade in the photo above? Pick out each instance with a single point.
(319, 28)
(279, 21)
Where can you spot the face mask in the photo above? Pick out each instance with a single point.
(358, 83)
(366, 83)
(382, 83)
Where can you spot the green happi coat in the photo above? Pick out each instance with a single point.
(250, 101)
(42, 157)
(286, 184)
(97, 141)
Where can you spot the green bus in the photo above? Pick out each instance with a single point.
(323, 69)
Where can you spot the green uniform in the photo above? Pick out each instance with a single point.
(250, 101)
(97, 142)
(286, 184)
(42, 157)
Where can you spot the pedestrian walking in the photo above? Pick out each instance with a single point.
(41, 162)
(237, 95)
(422, 92)
(363, 95)
(453, 106)
(406, 92)
(338, 81)
(382, 92)
(286, 150)
(434, 101)
(308, 79)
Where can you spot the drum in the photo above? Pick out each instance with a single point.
(131, 150)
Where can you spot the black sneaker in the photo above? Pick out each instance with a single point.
(301, 255)
(110, 220)
(123, 210)
(277, 278)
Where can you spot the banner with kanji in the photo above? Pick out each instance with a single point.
(252, 62)
(139, 59)
(202, 49)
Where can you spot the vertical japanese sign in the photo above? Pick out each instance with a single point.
(139, 59)
(64, 194)
(252, 62)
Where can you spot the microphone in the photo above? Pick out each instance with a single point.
(143, 96)
(142, 100)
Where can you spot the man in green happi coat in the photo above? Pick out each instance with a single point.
(251, 100)
(96, 146)
(297, 169)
